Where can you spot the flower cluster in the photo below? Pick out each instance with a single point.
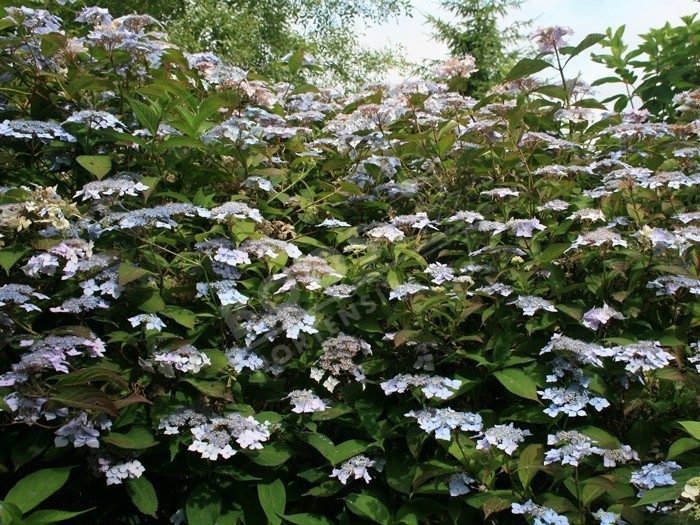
(356, 468)
(504, 437)
(441, 421)
(430, 386)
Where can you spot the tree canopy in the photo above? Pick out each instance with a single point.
(253, 34)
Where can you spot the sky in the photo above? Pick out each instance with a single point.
(583, 16)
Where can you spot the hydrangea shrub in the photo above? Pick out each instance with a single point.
(225, 300)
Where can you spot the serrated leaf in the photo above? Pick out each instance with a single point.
(216, 389)
(526, 67)
(400, 471)
(530, 462)
(495, 504)
(152, 302)
(96, 374)
(182, 316)
(203, 505)
(9, 257)
(273, 499)
(325, 489)
(517, 382)
(97, 165)
(271, 455)
(588, 41)
(128, 273)
(85, 398)
(659, 494)
(36, 487)
(137, 438)
(368, 507)
(143, 495)
(320, 442)
(348, 449)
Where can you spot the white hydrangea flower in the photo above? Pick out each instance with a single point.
(152, 321)
(529, 304)
(333, 223)
(431, 386)
(441, 421)
(305, 401)
(391, 233)
(595, 317)
(355, 468)
(440, 273)
(670, 284)
(406, 289)
(574, 446)
(504, 437)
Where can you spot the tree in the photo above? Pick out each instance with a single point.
(253, 34)
(664, 65)
(478, 34)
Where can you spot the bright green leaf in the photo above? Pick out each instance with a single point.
(97, 165)
(517, 382)
(34, 488)
(368, 507)
(143, 495)
(273, 499)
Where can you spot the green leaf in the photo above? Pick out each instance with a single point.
(85, 398)
(348, 449)
(44, 517)
(272, 454)
(143, 495)
(517, 382)
(659, 494)
(307, 519)
(97, 165)
(526, 67)
(691, 427)
(273, 499)
(400, 471)
(148, 115)
(295, 61)
(182, 316)
(588, 41)
(9, 257)
(681, 446)
(128, 273)
(600, 437)
(216, 389)
(325, 489)
(152, 302)
(203, 505)
(321, 443)
(368, 507)
(530, 462)
(10, 513)
(95, 374)
(34, 488)
(138, 438)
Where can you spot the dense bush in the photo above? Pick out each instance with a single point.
(230, 301)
